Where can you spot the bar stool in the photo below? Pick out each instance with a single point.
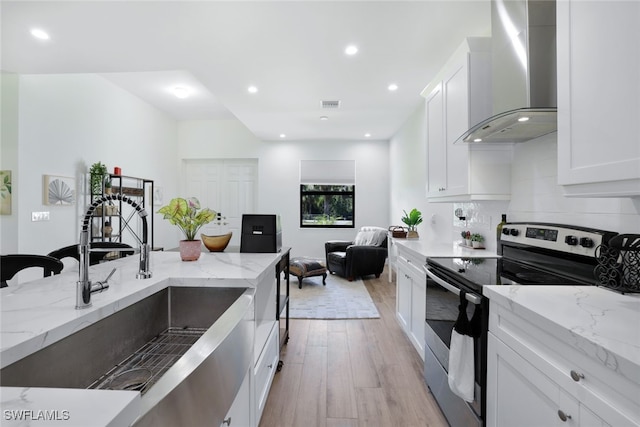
(13, 263)
(95, 257)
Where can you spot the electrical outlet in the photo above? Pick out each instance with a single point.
(39, 216)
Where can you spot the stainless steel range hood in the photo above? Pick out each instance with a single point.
(523, 72)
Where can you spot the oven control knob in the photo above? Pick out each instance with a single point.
(571, 240)
(505, 231)
(514, 232)
(586, 242)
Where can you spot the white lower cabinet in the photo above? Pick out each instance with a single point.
(239, 414)
(403, 295)
(534, 379)
(266, 349)
(411, 298)
(521, 395)
(264, 370)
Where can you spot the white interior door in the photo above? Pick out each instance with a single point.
(228, 186)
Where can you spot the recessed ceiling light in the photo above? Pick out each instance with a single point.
(324, 118)
(477, 140)
(252, 89)
(181, 92)
(367, 135)
(282, 135)
(392, 87)
(351, 50)
(40, 34)
(523, 119)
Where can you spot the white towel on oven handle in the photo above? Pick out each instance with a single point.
(461, 370)
(461, 366)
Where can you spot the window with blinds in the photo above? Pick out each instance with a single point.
(327, 193)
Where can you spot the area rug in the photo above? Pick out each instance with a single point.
(339, 299)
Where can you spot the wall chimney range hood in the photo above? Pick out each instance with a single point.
(523, 59)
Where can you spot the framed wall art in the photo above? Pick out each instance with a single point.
(59, 190)
(5, 192)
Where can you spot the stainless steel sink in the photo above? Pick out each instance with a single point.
(174, 338)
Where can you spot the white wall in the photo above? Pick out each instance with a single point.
(280, 188)
(536, 195)
(68, 122)
(278, 171)
(9, 158)
(408, 177)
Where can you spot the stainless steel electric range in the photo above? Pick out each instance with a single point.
(532, 254)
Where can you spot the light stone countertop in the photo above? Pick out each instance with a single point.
(423, 248)
(600, 323)
(36, 314)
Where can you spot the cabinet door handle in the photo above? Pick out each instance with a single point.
(576, 376)
(270, 365)
(564, 417)
(227, 421)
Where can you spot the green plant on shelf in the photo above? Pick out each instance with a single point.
(475, 237)
(97, 173)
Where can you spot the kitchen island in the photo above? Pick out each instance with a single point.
(563, 352)
(36, 314)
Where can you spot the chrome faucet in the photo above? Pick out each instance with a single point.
(84, 288)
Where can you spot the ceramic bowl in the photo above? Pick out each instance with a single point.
(216, 243)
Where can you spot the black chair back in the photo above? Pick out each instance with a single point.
(12, 264)
(72, 251)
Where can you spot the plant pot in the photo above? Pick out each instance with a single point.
(190, 250)
(467, 242)
(476, 244)
(412, 234)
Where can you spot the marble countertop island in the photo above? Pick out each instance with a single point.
(36, 314)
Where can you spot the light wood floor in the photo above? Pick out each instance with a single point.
(356, 372)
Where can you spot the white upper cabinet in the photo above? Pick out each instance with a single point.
(599, 98)
(456, 100)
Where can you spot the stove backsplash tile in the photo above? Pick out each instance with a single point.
(479, 217)
(536, 197)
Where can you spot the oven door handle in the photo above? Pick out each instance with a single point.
(472, 298)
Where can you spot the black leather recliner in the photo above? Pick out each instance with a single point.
(351, 260)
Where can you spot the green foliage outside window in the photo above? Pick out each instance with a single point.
(329, 206)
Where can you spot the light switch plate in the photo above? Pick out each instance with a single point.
(39, 216)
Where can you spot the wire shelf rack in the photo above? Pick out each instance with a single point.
(143, 368)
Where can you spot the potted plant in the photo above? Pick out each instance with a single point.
(96, 178)
(107, 185)
(189, 217)
(476, 240)
(412, 219)
(466, 238)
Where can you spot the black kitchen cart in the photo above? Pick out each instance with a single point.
(282, 300)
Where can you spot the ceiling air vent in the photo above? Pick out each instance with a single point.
(330, 104)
